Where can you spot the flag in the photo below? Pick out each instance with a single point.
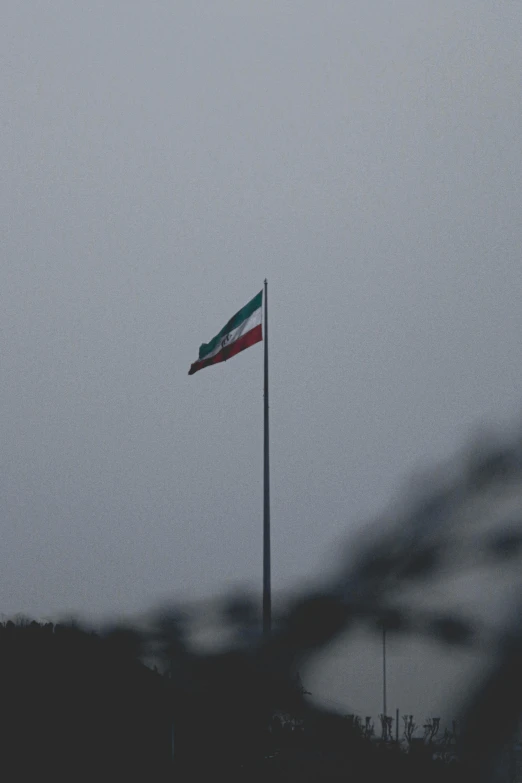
(243, 330)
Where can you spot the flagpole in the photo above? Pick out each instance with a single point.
(267, 589)
(384, 701)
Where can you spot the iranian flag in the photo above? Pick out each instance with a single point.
(243, 330)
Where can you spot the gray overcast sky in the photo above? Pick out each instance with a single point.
(159, 159)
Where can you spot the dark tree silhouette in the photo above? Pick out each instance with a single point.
(83, 706)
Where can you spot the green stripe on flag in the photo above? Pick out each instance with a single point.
(234, 322)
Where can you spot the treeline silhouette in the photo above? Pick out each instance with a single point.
(76, 706)
(83, 706)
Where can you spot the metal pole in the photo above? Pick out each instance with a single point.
(384, 705)
(267, 591)
(172, 726)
